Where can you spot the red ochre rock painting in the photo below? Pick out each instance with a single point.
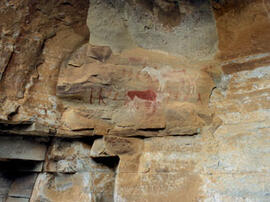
(148, 95)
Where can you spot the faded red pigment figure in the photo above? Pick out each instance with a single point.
(100, 97)
(91, 96)
(148, 96)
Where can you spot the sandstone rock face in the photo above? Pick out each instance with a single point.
(162, 101)
(242, 27)
(111, 102)
(178, 27)
(22, 148)
(79, 186)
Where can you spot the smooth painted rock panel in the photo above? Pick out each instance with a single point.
(127, 100)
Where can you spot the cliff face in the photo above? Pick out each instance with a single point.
(134, 100)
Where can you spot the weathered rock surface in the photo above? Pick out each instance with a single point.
(81, 178)
(67, 156)
(162, 101)
(111, 102)
(80, 186)
(22, 148)
(17, 186)
(243, 27)
(178, 27)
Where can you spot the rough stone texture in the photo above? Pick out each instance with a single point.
(22, 187)
(80, 186)
(231, 164)
(16, 186)
(243, 138)
(165, 171)
(243, 27)
(163, 101)
(49, 31)
(71, 157)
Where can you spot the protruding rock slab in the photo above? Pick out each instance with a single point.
(14, 199)
(23, 185)
(99, 149)
(67, 156)
(22, 148)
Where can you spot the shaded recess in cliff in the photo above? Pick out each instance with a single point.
(178, 27)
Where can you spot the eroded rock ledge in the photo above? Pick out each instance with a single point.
(162, 101)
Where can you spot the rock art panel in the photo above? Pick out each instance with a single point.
(129, 98)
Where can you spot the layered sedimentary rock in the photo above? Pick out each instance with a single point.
(161, 101)
(126, 98)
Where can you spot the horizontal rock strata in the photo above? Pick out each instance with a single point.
(134, 101)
